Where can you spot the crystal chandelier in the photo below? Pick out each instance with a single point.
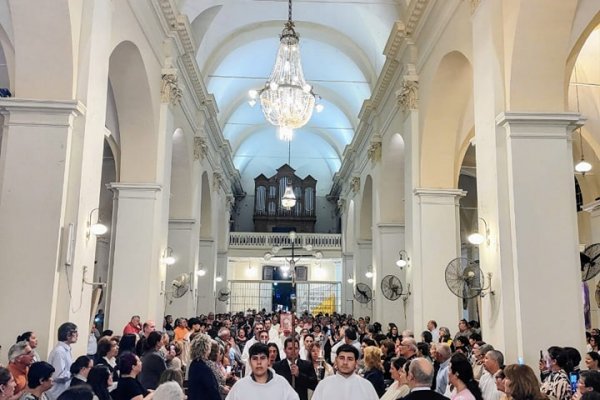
(287, 101)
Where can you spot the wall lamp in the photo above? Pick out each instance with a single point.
(95, 228)
(403, 259)
(219, 278)
(201, 271)
(477, 238)
(168, 258)
(369, 273)
(350, 279)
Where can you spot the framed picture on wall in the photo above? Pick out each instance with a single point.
(268, 273)
(302, 273)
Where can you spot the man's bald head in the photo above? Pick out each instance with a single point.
(422, 373)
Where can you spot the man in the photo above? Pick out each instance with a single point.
(257, 328)
(479, 352)
(147, 329)
(20, 358)
(133, 327)
(420, 377)
(435, 333)
(345, 384)
(262, 383)
(61, 359)
(408, 348)
(351, 338)
(303, 373)
(273, 333)
(492, 362)
(338, 344)
(442, 356)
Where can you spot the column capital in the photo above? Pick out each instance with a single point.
(538, 125)
(390, 228)
(134, 190)
(439, 196)
(592, 207)
(46, 112)
(181, 224)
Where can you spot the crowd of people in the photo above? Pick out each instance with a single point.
(257, 355)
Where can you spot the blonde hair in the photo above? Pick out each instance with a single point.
(200, 347)
(373, 358)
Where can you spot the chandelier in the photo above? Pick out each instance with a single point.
(288, 200)
(287, 101)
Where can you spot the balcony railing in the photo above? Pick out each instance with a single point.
(258, 240)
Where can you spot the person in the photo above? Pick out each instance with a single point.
(7, 384)
(128, 387)
(141, 347)
(408, 348)
(215, 363)
(501, 384)
(171, 375)
(20, 358)
(108, 349)
(374, 369)
(393, 332)
(320, 365)
(273, 354)
(78, 392)
(346, 384)
(168, 326)
(261, 383)
(100, 378)
(592, 360)
(399, 388)
(31, 339)
(175, 363)
(493, 361)
(302, 371)
(169, 391)
(460, 375)
(420, 378)
(521, 383)
(557, 384)
(153, 363)
(61, 359)
(202, 383)
(39, 381)
(463, 330)
(435, 332)
(588, 381)
(133, 326)
(80, 370)
(181, 331)
(241, 339)
(442, 355)
(127, 344)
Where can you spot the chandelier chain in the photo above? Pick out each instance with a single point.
(289, 10)
(578, 110)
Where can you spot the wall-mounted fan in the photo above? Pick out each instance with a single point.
(363, 293)
(465, 279)
(224, 294)
(391, 287)
(590, 262)
(180, 285)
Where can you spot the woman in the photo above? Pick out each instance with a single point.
(399, 388)
(592, 361)
(202, 383)
(128, 388)
(445, 335)
(214, 362)
(39, 381)
(108, 349)
(499, 377)
(393, 332)
(426, 337)
(100, 379)
(595, 343)
(521, 383)
(127, 344)
(32, 341)
(374, 369)
(589, 381)
(322, 368)
(463, 330)
(241, 339)
(78, 392)
(273, 354)
(153, 363)
(80, 369)
(7, 384)
(175, 363)
(557, 384)
(460, 375)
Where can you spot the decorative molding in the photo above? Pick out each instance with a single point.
(217, 181)
(474, 5)
(200, 148)
(355, 184)
(341, 204)
(374, 151)
(408, 95)
(415, 12)
(230, 201)
(170, 92)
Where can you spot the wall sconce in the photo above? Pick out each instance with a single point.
(168, 257)
(350, 279)
(219, 278)
(477, 238)
(201, 271)
(97, 228)
(369, 273)
(403, 260)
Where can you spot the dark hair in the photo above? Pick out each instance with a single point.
(80, 363)
(574, 358)
(5, 376)
(461, 367)
(38, 372)
(347, 348)
(463, 340)
(561, 357)
(591, 379)
(427, 336)
(475, 336)
(126, 363)
(98, 380)
(153, 339)
(591, 396)
(24, 337)
(424, 348)
(79, 392)
(273, 345)
(127, 344)
(260, 348)
(398, 362)
(389, 346)
(350, 334)
(107, 332)
(104, 346)
(369, 342)
(65, 330)
(288, 340)
(594, 356)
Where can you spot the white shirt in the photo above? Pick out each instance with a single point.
(61, 359)
(487, 384)
(277, 388)
(442, 377)
(435, 335)
(339, 387)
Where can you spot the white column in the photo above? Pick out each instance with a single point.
(388, 241)
(183, 239)
(206, 283)
(136, 270)
(363, 260)
(594, 216)
(437, 244)
(540, 238)
(222, 306)
(348, 287)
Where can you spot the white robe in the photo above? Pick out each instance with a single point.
(277, 388)
(338, 387)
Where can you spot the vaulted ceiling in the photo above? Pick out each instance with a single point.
(341, 46)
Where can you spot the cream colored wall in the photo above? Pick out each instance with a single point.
(326, 270)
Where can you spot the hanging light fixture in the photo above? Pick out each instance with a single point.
(582, 166)
(288, 200)
(287, 101)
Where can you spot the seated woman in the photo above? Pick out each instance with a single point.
(374, 369)
(107, 352)
(592, 361)
(80, 370)
(39, 381)
(100, 379)
(77, 392)
(129, 388)
(399, 388)
(460, 375)
(520, 383)
(7, 384)
(556, 383)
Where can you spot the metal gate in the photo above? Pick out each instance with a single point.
(313, 297)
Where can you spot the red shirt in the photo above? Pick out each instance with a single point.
(129, 328)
